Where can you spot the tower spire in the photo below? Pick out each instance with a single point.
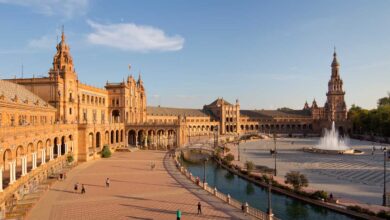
(335, 62)
(62, 34)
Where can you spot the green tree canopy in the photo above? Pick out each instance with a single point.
(296, 179)
(371, 122)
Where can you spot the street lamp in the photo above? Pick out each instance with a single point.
(238, 148)
(215, 136)
(269, 210)
(384, 203)
(204, 170)
(275, 153)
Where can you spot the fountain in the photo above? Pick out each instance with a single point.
(331, 143)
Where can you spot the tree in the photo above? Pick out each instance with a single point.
(375, 122)
(106, 152)
(229, 158)
(296, 179)
(250, 166)
(384, 101)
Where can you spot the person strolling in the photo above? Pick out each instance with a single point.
(82, 189)
(108, 182)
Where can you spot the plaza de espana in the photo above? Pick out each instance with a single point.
(42, 120)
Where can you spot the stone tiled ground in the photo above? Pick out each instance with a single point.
(349, 178)
(136, 192)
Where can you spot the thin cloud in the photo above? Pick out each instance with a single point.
(44, 42)
(67, 8)
(133, 37)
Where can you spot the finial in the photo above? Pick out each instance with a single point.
(334, 51)
(62, 34)
(129, 66)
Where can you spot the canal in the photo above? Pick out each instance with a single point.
(240, 189)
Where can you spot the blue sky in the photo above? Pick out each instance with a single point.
(268, 54)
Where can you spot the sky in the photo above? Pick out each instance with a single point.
(267, 54)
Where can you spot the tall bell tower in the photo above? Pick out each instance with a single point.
(65, 94)
(335, 107)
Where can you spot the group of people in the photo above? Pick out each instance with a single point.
(76, 186)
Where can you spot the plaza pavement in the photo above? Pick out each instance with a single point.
(135, 192)
(349, 178)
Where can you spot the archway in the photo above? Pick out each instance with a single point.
(97, 140)
(19, 155)
(48, 146)
(55, 149)
(116, 115)
(63, 145)
(131, 139)
(106, 137)
(116, 136)
(90, 142)
(141, 137)
(40, 148)
(7, 158)
(112, 137)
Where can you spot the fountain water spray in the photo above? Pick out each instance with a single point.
(332, 141)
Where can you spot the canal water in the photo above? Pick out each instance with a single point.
(240, 189)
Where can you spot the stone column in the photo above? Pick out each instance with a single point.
(34, 160)
(136, 140)
(51, 153)
(66, 148)
(23, 160)
(43, 159)
(58, 150)
(1, 179)
(146, 140)
(11, 172)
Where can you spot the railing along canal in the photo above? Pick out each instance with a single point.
(226, 198)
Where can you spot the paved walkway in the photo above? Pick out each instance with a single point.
(136, 192)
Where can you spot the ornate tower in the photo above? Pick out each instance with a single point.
(335, 107)
(65, 94)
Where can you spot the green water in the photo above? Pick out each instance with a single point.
(240, 189)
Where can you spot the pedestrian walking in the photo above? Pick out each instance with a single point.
(178, 214)
(76, 186)
(199, 208)
(108, 182)
(82, 189)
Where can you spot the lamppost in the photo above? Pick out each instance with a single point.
(215, 136)
(269, 210)
(275, 153)
(189, 135)
(384, 203)
(238, 148)
(204, 170)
